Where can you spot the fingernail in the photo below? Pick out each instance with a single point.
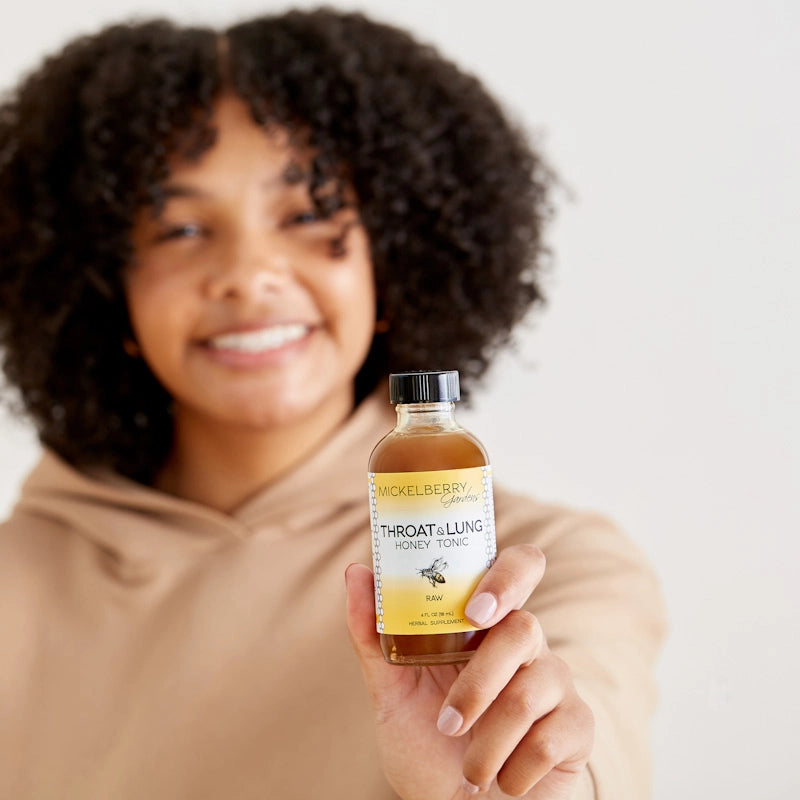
(481, 608)
(470, 788)
(450, 721)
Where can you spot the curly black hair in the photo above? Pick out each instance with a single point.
(452, 194)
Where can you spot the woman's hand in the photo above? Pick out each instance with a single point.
(509, 722)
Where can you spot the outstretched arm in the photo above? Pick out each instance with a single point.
(565, 670)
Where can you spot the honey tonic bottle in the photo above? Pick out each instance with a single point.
(432, 519)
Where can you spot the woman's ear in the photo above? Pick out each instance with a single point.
(382, 322)
(131, 348)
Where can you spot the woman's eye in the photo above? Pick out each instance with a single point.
(190, 230)
(304, 218)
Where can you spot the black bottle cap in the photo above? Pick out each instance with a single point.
(439, 386)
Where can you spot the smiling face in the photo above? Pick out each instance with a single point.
(240, 299)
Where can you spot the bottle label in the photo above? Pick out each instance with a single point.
(433, 539)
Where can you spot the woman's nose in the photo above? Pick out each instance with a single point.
(249, 267)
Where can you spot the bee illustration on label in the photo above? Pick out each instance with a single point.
(434, 572)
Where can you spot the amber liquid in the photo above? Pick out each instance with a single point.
(421, 451)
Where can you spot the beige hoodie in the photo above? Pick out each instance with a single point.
(154, 648)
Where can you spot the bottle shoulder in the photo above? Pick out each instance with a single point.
(423, 451)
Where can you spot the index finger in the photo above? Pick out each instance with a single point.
(507, 585)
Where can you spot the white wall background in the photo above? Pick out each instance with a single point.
(662, 384)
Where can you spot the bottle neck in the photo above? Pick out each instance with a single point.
(429, 417)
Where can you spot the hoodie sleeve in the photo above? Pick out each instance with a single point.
(601, 608)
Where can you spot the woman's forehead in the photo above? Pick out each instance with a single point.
(237, 140)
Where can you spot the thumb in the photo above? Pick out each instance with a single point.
(363, 633)
(361, 612)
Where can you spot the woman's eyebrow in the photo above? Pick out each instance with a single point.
(294, 173)
(182, 190)
(291, 176)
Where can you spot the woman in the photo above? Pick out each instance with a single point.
(216, 247)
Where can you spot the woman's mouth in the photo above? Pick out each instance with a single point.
(261, 340)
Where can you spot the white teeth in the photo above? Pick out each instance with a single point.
(260, 340)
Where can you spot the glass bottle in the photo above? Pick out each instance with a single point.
(432, 515)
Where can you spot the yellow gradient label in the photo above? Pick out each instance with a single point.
(433, 539)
